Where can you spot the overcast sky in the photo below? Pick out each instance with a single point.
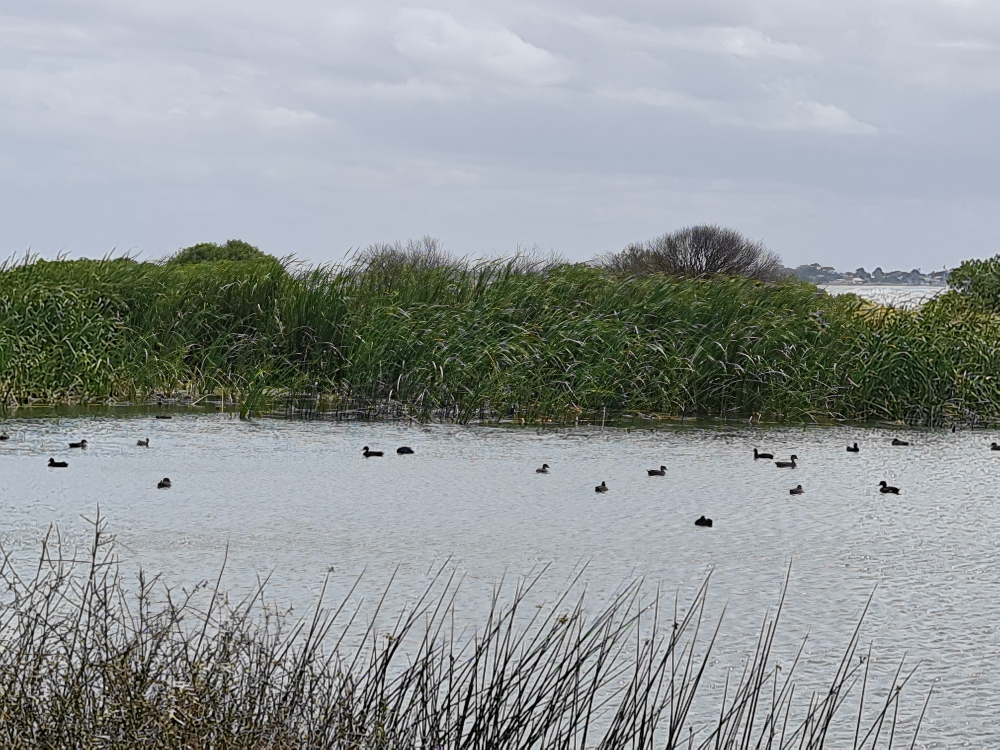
(856, 132)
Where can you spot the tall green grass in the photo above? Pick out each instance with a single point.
(506, 337)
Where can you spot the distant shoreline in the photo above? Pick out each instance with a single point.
(880, 283)
(817, 274)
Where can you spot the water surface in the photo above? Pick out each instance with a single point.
(296, 499)
(896, 295)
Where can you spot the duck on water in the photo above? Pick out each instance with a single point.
(887, 489)
(797, 490)
(853, 448)
(757, 455)
(602, 487)
(702, 521)
(53, 464)
(164, 484)
(371, 454)
(543, 470)
(790, 464)
(661, 472)
(81, 444)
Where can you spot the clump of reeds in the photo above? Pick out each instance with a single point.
(89, 660)
(524, 337)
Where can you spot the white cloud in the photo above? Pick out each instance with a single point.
(283, 117)
(774, 113)
(816, 117)
(732, 41)
(660, 98)
(966, 45)
(738, 42)
(435, 38)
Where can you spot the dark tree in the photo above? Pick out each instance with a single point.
(389, 259)
(705, 250)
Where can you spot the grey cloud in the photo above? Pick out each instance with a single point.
(846, 133)
(437, 38)
(724, 40)
(776, 113)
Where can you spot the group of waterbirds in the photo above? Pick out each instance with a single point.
(403, 450)
(884, 487)
(603, 486)
(544, 469)
(165, 482)
(82, 444)
(789, 464)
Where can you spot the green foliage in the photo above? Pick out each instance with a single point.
(207, 252)
(549, 340)
(979, 280)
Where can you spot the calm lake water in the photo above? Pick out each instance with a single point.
(295, 499)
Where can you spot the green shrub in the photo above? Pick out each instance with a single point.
(979, 280)
(206, 252)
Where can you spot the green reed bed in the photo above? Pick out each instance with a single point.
(505, 338)
(91, 658)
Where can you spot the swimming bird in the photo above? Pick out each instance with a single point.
(602, 487)
(163, 416)
(163, 484)
(994, 447)
(404, 450)
(142, 443)
(886, 489)
(757, 455)
(370, 454)
(797, 490)
(702, 521)
(853, 448)
(787, 464)
(4, 436)
(53, 464)
(661, 472)
(543, 470)
(81, 444)
(897, 441)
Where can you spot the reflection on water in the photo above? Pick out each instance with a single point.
(298, 498)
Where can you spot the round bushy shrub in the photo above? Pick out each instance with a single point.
(207, 252)
(705, 250)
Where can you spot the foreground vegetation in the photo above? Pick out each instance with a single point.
(91, 660)
(518, 337)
